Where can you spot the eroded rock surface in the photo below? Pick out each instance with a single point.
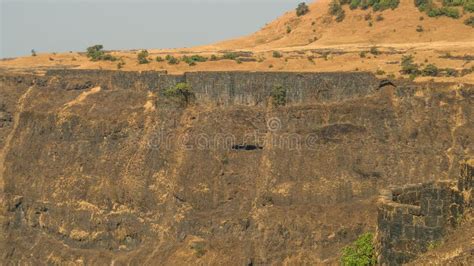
(101, 167)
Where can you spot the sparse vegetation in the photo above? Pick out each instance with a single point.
(361, 252)
(159, 59)
(374, 50)
(33, 52)
(181, 91)
(194, 59)
(302, 9)
(199, 249)
(278, 96)
(120, 64)
(430, 70)
(288, 29)
(172, 60)
(409, 67)
(379, 17)
(96, 53)
(277, 54)
(230, 56)
(419, 28)
(362, 54)
(377, 5)
(469, 21)
(336, 10)
(379, 72)
(142, 57)
(213, 58)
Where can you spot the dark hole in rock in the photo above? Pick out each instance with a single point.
(246, 147)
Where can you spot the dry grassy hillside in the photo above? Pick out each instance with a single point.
(314, 42)
(318, 28)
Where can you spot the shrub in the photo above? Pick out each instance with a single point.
(95, 53)
(444, 11)
(374, 50)
(120, 64)
(419, 28)
(361, 252)
(379, 72)
(192, 60)
(33, 52)
(453, 2)
(386, 4)
(143, 57)
(364, 4)
(288, 29)
(181, 91)
(354, 4)
(214, 57)
(172, 60)
(469, 6)
(159, 59)
(278, 96)
(430, 70)
(277, 54)
(368, 16)
(340, 16)
(230, 56)
(302, 9)
(408, 66)
(469, 21)
(362, 54)
(334, 8)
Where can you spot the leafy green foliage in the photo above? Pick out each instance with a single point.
(444, 11)
(192, 60)
(377, 5)
(159, 59)
(143, 57)
(302, 9)
(96, 53)
(361, 252)
(408, 66)
(430, 70)
(469, 6)
(230, 56)
(374, 50)
(181, 91)
(278, 96)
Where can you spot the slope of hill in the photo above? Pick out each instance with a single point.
(319, 28)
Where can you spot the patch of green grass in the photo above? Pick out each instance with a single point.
(361, 252)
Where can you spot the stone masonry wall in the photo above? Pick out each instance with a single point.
(245, 88)
(413, 217)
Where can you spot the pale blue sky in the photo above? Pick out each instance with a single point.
(73, 25)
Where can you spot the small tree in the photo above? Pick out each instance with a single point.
(95, 52)
(302, 9)
(143, 57)
(408, 66)
(278, 96)
(361, 252)
(277, 54)
(430, 70)
(181, 90)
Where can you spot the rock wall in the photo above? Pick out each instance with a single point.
(97, 167)
(414, 217)
(244, 88)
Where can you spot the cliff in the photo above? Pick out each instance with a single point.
(102, 167)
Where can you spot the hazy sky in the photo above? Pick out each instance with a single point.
(73, 25)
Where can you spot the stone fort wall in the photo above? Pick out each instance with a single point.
(246, 88)
(413, 217)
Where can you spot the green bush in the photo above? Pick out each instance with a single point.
(277, 54)
(181, 91)
(159, 59)
(361, 252)
(279, 96)
(334, 7)
(408, 66)
(340, 16)
(230, 56)
(453, 2)
(95, 53)
(354, 4)
(469, 21)
(302, 9)
(192, 60)
(172, 60)
(469, 6)
(288, 29)
(142, 57)
(430, 70)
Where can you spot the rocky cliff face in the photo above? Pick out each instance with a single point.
(102, 167)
